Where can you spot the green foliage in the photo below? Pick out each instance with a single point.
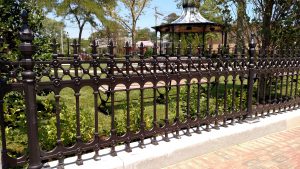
(15, 119)
(170, 18)
(129, 19)
(135, 119)
(148, 53)
(81, 12)
(144, 34)
(10, 26)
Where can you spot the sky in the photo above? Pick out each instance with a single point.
(165, 7)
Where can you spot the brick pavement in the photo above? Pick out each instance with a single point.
(275, 151)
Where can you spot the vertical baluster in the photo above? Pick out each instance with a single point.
(265, 81)
(217, 78)
(225, 93)
(272, 67)
(128, 132)
(142, 122)
(56, 79)
(292, 74)
(276, 77)
(280, 78)
(155, 125)
(76, 80)
(233, 98)
(95, 64)
(111, 67)
(270, 80)
(234, 76)
(199, 59)
(287, 71)
(188, 113)
(242, 78)
(207, 114)
(167, 61)
(297, 78)
(178, 61)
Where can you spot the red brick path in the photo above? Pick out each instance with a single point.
(275, 151)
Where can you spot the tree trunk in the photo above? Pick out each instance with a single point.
(266, 27)
(133, 36)
(79, 37)
(266, 41)
(240, 40)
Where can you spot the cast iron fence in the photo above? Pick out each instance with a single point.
(196, 91)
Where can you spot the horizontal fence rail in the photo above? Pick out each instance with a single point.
(134, 98)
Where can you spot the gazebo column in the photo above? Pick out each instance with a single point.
(160, 43)
(225, 39)
(173, 40)
(156, 39)
(203, 38)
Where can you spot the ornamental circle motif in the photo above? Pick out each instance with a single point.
(57, 82)
(77, 81)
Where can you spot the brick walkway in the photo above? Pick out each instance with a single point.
(276, 151)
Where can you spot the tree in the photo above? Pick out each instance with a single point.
(170, 18)
(11, 23)
(144, 34)
(241, 14)
(277, 21)
(52, 27)
(129, 21)
(82, 11)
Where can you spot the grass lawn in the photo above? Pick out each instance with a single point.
(89, 109)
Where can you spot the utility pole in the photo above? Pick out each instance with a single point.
(156, 14)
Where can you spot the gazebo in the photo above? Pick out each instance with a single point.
(190, 22)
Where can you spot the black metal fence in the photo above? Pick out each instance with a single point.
(190, 92)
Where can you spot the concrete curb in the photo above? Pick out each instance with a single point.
(168, 153)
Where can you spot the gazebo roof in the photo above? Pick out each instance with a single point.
(190, 21)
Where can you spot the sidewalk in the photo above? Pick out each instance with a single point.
(275, 151)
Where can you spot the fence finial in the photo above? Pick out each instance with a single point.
(26, 34)
(210, 49)
(178, 49)
(1, 44)
(111, 48)
(94, 47)
(1, 41)
(189, 49)
(127, 49)
(252, 41)
(219, 49)
(155, 49)
(167, 48)
(141, 47)
(252, 46)
(54, 46)
(74, 46)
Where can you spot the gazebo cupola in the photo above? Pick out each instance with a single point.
(190, 22)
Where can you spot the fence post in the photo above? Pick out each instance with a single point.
(28, 76)
(252, 46)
